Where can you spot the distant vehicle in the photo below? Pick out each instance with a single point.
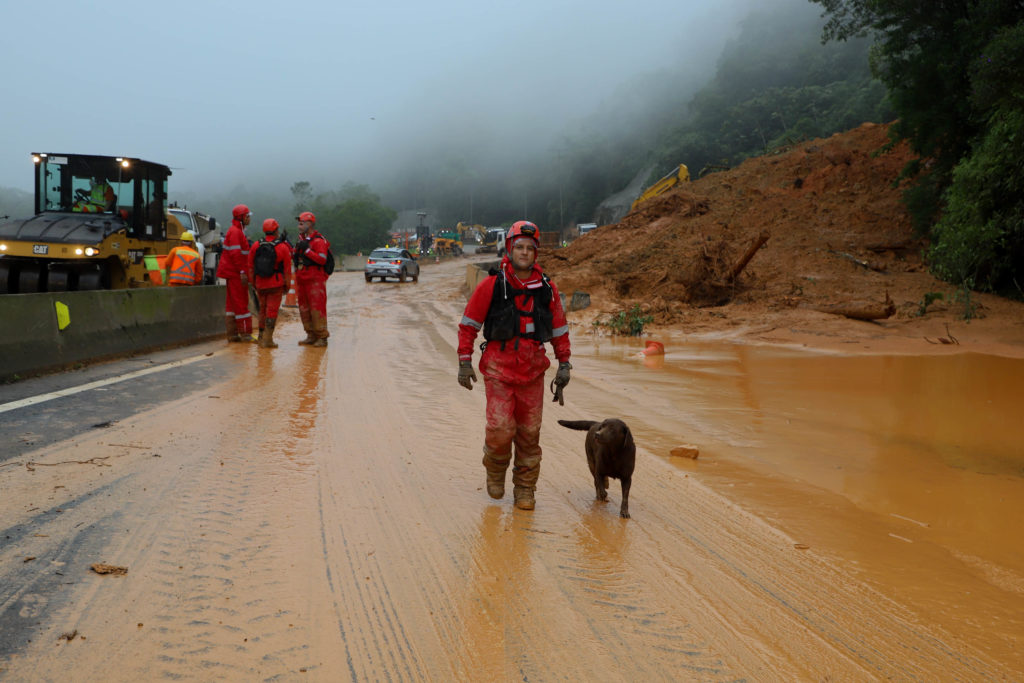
(493, 240)
(388, 262)
(679, 175)
(584, 228)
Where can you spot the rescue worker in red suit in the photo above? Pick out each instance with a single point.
(184, 265)
(269, 290)
(311, 280)
(519, 310)
(234, 268)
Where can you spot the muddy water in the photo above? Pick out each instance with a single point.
(322, 517)
(908, 470)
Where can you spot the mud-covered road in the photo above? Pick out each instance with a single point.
(308, 514)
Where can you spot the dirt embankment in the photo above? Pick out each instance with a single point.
(839, 237)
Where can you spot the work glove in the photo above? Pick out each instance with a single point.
(559, 382)
(466, 374)
(245, 280)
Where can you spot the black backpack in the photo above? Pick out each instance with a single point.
(264, 262)
(329, 263)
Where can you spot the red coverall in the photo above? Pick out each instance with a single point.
(513, 377)
(311, 285)
(234, 263)
(269, 290)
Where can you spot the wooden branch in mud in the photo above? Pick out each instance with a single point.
(860, 262)
(742, 263)
(861, 310)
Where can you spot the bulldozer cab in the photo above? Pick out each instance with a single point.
(132, 190)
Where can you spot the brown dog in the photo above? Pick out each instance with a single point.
(610, 453)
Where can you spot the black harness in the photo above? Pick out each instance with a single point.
(503, 321)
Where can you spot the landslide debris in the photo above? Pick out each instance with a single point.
(831, 207)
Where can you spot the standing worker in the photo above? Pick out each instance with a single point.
(311, 280)
(519, 309)
(184, 264)
(234, 268)
(270, 262)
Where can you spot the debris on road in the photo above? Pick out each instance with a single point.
(103, 568)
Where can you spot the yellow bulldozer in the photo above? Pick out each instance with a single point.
(679, 175)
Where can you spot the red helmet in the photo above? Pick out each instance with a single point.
(270, 225)
(523, 229)
(240, 211)
(306, 216)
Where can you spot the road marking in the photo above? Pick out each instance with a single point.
(14, 405)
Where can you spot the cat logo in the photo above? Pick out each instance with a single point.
(42, 249)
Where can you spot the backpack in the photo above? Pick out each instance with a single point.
(329, 263)
(264, 262)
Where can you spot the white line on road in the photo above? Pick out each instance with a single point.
(14, 405)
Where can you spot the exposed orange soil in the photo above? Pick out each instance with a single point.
(825, 203)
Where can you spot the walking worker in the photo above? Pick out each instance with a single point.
(234, 268)
(311, 280)
(270, 262)
(519, 309)
(184, 264)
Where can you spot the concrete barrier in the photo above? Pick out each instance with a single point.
(476, 272)
(102, 323)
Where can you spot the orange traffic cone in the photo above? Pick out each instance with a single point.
(291, 299)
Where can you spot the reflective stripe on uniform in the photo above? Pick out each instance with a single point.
(472, 323)
(560, 331)
(243, 316)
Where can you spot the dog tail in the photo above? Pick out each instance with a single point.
(581, 425)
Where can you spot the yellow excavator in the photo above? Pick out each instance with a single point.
(679, 175)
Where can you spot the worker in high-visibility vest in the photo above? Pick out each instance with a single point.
(99, 198)
(184, 265)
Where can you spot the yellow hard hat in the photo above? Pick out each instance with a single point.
(187, 236)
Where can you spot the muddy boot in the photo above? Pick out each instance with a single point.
(496, 467)
(232, 328)
(523, 496)
(259, 339)
(496, 484)
(307, 325)
(267, 337)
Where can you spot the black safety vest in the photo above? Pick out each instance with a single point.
(503, 317)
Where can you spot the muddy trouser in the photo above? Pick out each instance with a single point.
(514, 414)
(312, 300)
(236, 306)
(270, 304)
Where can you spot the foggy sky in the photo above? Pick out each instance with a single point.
(264, 94)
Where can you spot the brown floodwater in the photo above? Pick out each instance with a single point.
(910, 469)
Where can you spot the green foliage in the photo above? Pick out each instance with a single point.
(775, 85)
(353, 219)
(628, 323)
(954, 76)
(927, 300)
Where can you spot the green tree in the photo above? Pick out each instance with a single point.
(353, 219)
(302, 193)
(953, 73)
